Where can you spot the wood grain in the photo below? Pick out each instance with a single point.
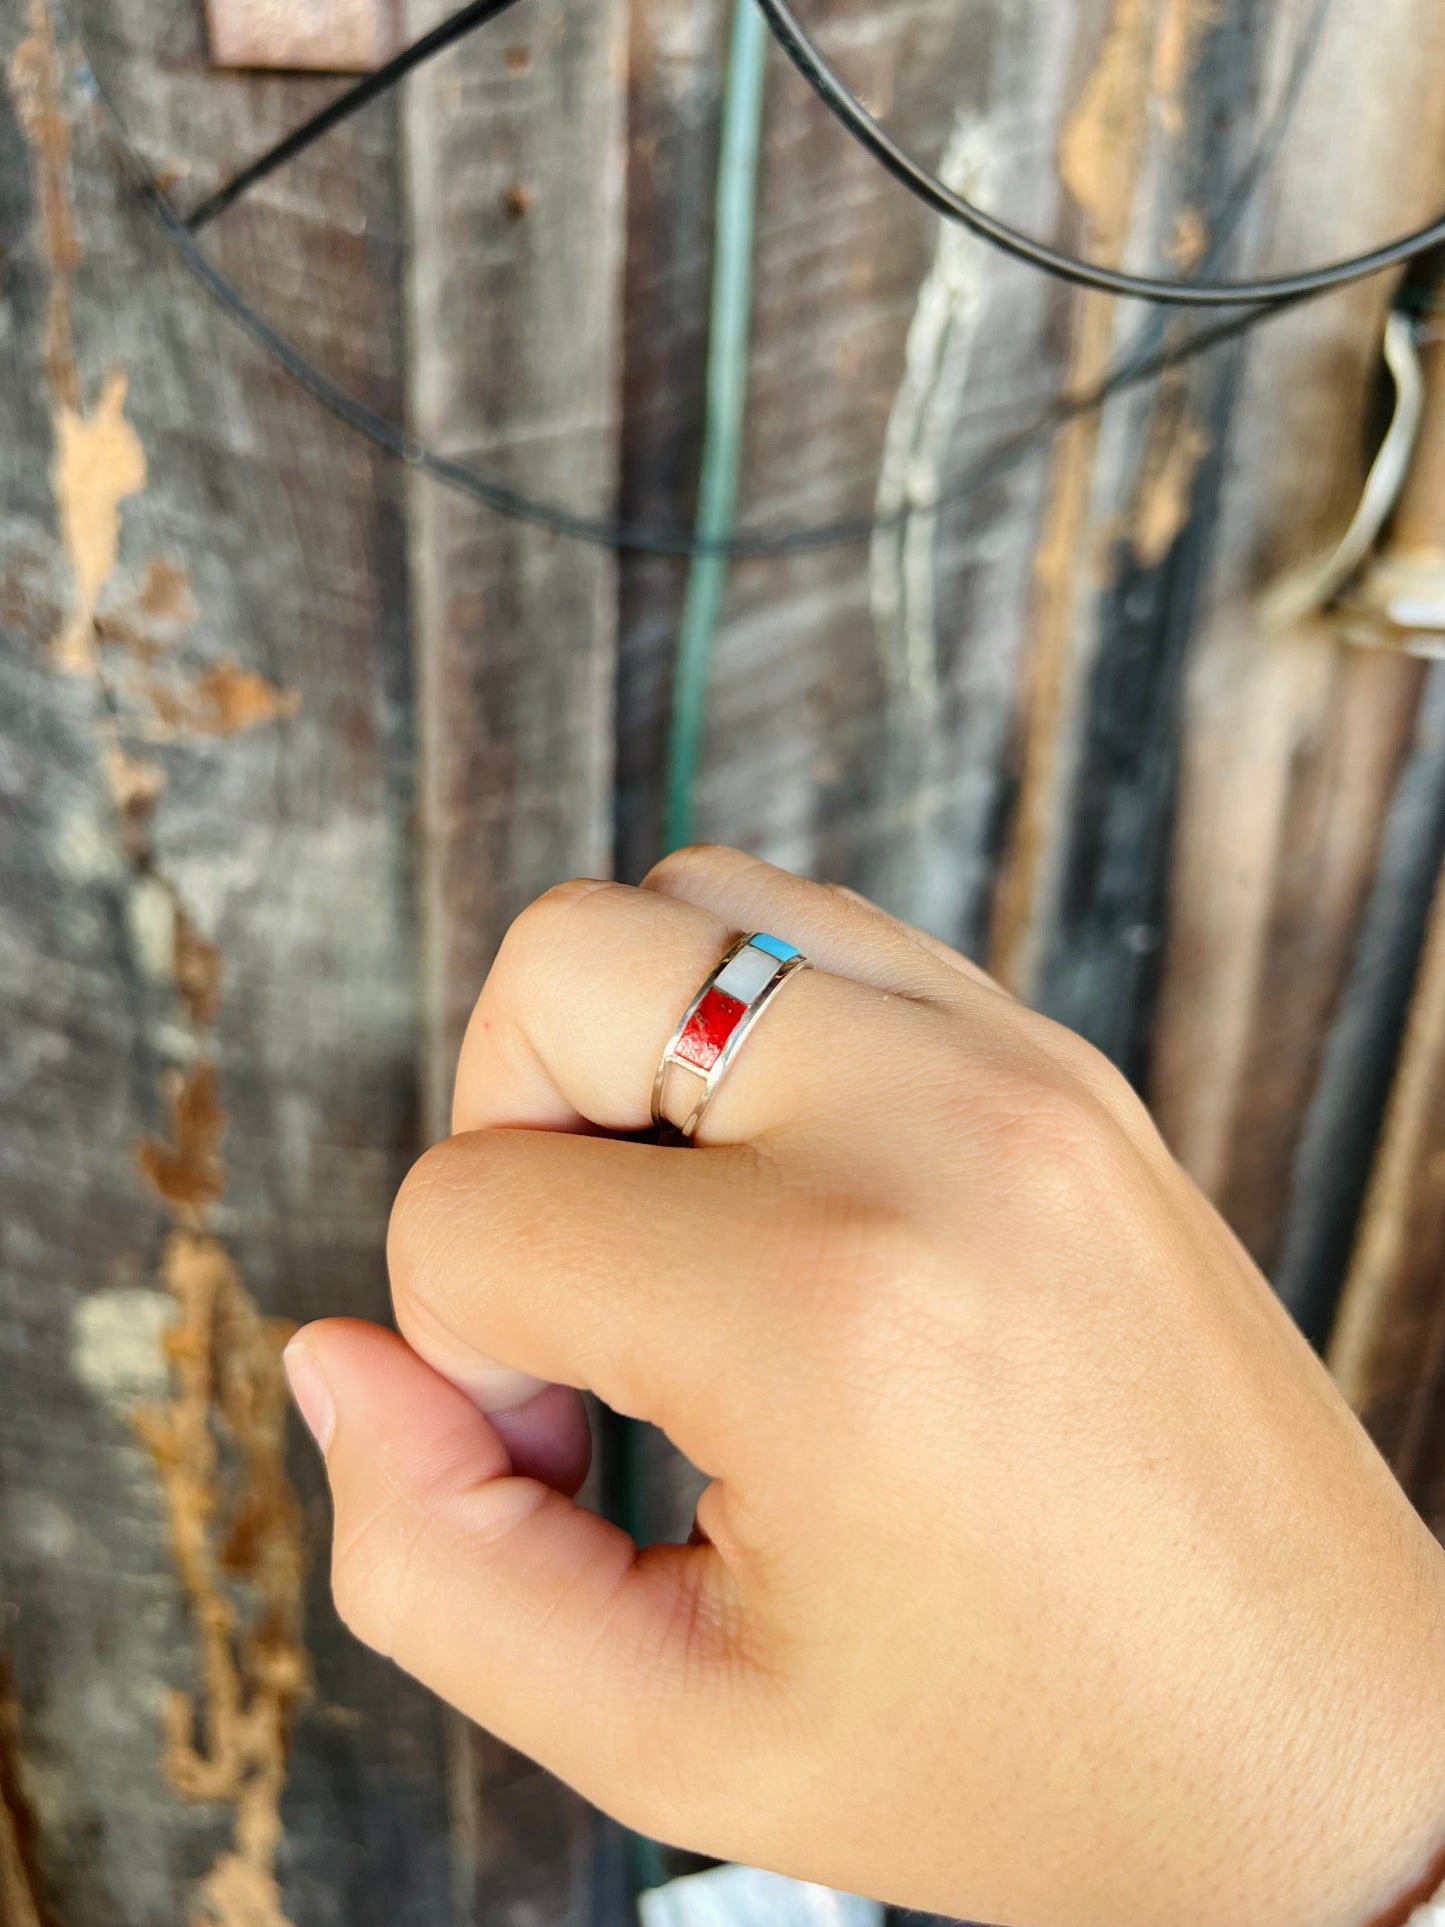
(22, 1902)
(1359, 1057)
(814, 736)
(208, 950)
(515, 159)
(676, 54)
(1080, 907)
(1388, 1347)
(1292, 743)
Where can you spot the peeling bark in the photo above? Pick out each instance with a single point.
(238, 1553)
(228, 1742)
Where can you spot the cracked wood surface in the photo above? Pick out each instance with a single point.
(208, 961)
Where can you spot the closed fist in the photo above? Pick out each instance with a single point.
(1042, 1577)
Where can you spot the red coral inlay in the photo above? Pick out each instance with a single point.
(708, 1030)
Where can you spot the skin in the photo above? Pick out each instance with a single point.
(1043, 1577)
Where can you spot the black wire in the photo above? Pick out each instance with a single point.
(452, 29)
(634, 537)
(1134, 368)
(845, 106)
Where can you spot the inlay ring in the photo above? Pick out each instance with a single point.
(711, 1031)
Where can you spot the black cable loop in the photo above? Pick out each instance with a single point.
(846, 107)
(630, 537)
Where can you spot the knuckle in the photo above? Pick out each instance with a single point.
(850, 899)
(412, 1228)
(1065, 1150)
(1061, 1083)
(695, 859)
(1052, 1110)
(533, 931)
(1079, 1058)
(1101, 1080)
(457, 1183)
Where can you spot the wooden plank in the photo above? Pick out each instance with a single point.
(22, 1902)
(1103, 161)
(207, 1042)
(1388, 1348)
(1083, 907)
(1292, 742)
(676, 55)
(1360, 1055)
(1130, 523)
(1359, 1058)
(514, 147)
(800, 761)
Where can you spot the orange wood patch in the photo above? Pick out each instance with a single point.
(329, 36)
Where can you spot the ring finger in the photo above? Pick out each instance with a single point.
(588, 988)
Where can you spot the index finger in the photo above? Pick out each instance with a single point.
(581, 1261)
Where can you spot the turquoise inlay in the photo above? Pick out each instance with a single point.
(774, 946)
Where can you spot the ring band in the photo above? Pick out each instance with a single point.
(710, 1032)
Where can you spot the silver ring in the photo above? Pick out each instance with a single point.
(711, 1031)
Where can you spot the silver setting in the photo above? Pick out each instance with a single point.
(710, 1079)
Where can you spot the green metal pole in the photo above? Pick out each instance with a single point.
(727, 381)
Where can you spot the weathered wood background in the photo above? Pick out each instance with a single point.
(287, 734)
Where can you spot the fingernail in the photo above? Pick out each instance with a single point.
(491, 1387)
(310, 1391)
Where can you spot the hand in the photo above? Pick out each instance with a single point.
(1043, 1576)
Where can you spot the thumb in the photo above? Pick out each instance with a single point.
(537, 1618)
